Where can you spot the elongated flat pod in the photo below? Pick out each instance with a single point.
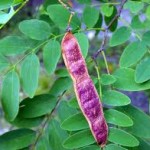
(87, 96)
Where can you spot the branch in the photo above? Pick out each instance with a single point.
(102, 47)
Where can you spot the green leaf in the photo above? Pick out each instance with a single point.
(16, 2)
(132, 54)
(109, 19)
(26, 122)
(125, 80)
(141, 122)
(35, 29)
(56, 136)
(120, 36)
(143, 145)
(73, 103)
(62, 72)
(84, 1)
(107, 79)
(3, 63)
(5, 17)
(121, 137)
(83, 42)
(136, 23)
(63, 107)
(37, 106)
(10, 95)
(148, 12)
(90, 16)
(75, 122)
(146, 38)
(17, 139)
(29, 74)
(43, 143)
(118, 118)
(60, 16)
(134, 6)
(13, 45)
(115, 98)
(142, 72)
(114, 147)
(92, 147)
(51, 55)
(79, 139)
(60, 85)
(98, 23)
(5, 4)
(107, 10)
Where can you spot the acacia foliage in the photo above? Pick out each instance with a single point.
(22, 57)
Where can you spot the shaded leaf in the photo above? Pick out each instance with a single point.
(92, 147)
(75, 140)
(109, 19)
(37, 106)
(17, 139)
(62, 72)
(146, 38)
(63, 107)
(26, 122)
(73, 103)
(136, 23)
(56, 135)
(10, 95)
(60, 85)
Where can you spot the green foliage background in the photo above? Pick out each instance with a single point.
(37, 95)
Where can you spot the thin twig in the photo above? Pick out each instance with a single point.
(102, 47)
(45, 123)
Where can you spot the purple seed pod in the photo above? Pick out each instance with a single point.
(87, 96)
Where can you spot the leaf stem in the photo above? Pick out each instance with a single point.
(99, 82)
(105, 60)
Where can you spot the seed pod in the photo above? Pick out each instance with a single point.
(85, 90)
